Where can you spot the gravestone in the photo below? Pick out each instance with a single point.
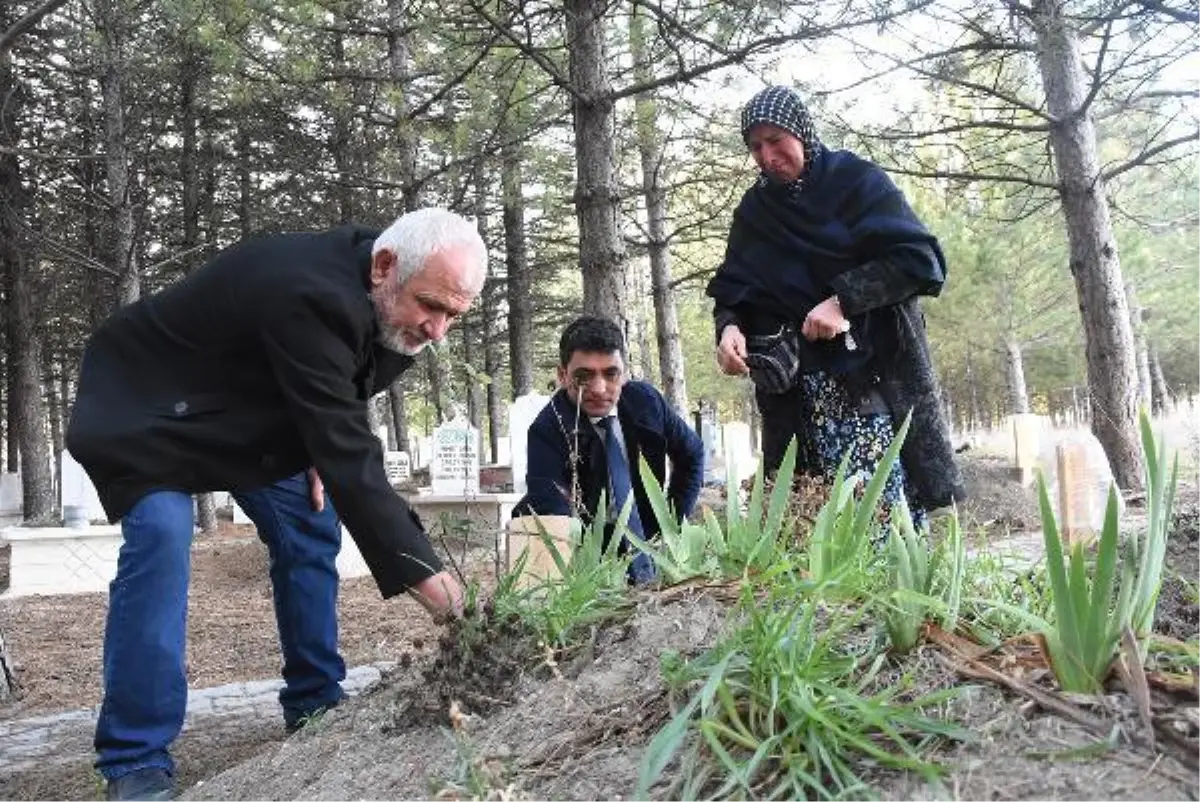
(739, 449)
(423, 452)
(714, 466)
(520, 415)
(454, 467)
(1080, 484)
(11, 499)
(1027, 433)
(80, 503)
(398, 467)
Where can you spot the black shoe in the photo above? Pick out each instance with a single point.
(151, 783)
(294, 722)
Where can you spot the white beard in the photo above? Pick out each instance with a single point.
(393, 340)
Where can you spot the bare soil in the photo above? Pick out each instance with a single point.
(483, 713)
(57, 640)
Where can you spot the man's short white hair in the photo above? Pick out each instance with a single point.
(417, 235)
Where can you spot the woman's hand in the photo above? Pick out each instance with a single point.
(825, 321)
(731, 353)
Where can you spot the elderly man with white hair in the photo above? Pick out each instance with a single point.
(253, 375)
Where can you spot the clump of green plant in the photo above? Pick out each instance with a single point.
(1092, 609)
(783, 709)
(590, 588)
(749, 542)
(1150, 553)
(841, 539)
(922, 582)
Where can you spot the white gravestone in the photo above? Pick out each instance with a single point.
(11, 499)
(454, 469)
(398, 467)
(80, 502)
(424, 452)
(739, 449)
(520, 416)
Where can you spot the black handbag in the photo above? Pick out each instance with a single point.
(774, 359)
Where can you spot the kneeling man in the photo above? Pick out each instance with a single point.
(593, 433)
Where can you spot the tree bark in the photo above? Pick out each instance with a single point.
(670, 348)
(1095, 265)
(492, 361)
(437, 386)
(597, 202)
(399, 416)
(33, 442)
(516, 261)
(487, 327)
(189, 185)
(399, 71)
(29, 443)
(114, 63)
(1018, 397)
(1141, 348)
(245, 174)
(340, 145)
(1162, 396)
(12, 451)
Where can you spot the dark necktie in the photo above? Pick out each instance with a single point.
(642, 570)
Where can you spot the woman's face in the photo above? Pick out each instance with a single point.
(777, 152)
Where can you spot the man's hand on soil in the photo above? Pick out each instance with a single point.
(441, 595)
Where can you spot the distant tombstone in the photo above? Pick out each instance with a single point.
(424, 452)
(714, 470)
(454, 467)
(520, 416)
(80, 501)
(11, 499)
(1027, 431)
(739, 449)
(398, 467)
(1080, 484)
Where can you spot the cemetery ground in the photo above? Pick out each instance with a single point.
(505, 706)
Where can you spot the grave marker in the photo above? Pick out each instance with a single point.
(454, 468)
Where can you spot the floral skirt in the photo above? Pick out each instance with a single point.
(833, 426)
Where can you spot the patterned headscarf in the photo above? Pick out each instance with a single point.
(779, 105)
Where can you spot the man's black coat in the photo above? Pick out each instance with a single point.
(252, 368)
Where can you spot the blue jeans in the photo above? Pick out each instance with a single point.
(145, 684)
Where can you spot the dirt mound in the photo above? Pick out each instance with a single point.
(562, 737)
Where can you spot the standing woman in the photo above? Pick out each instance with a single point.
(817, 300)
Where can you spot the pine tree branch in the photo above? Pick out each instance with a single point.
(1147, 154)
(9, 37)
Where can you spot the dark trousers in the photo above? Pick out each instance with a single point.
(145, 683)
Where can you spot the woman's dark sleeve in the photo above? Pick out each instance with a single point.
(723, 316)
(898, 266)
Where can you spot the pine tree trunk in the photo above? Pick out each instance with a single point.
(520, 281)
(12, 451)
(245, 174)
(670, 348)
(399, 416)
(404, 142)
(111, 29)
(37, 478)
(597, 201)
(1141, 347)
(438, 386)
(29, 442)
(1162, 396)
(1018, 397)
(1095, 265)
